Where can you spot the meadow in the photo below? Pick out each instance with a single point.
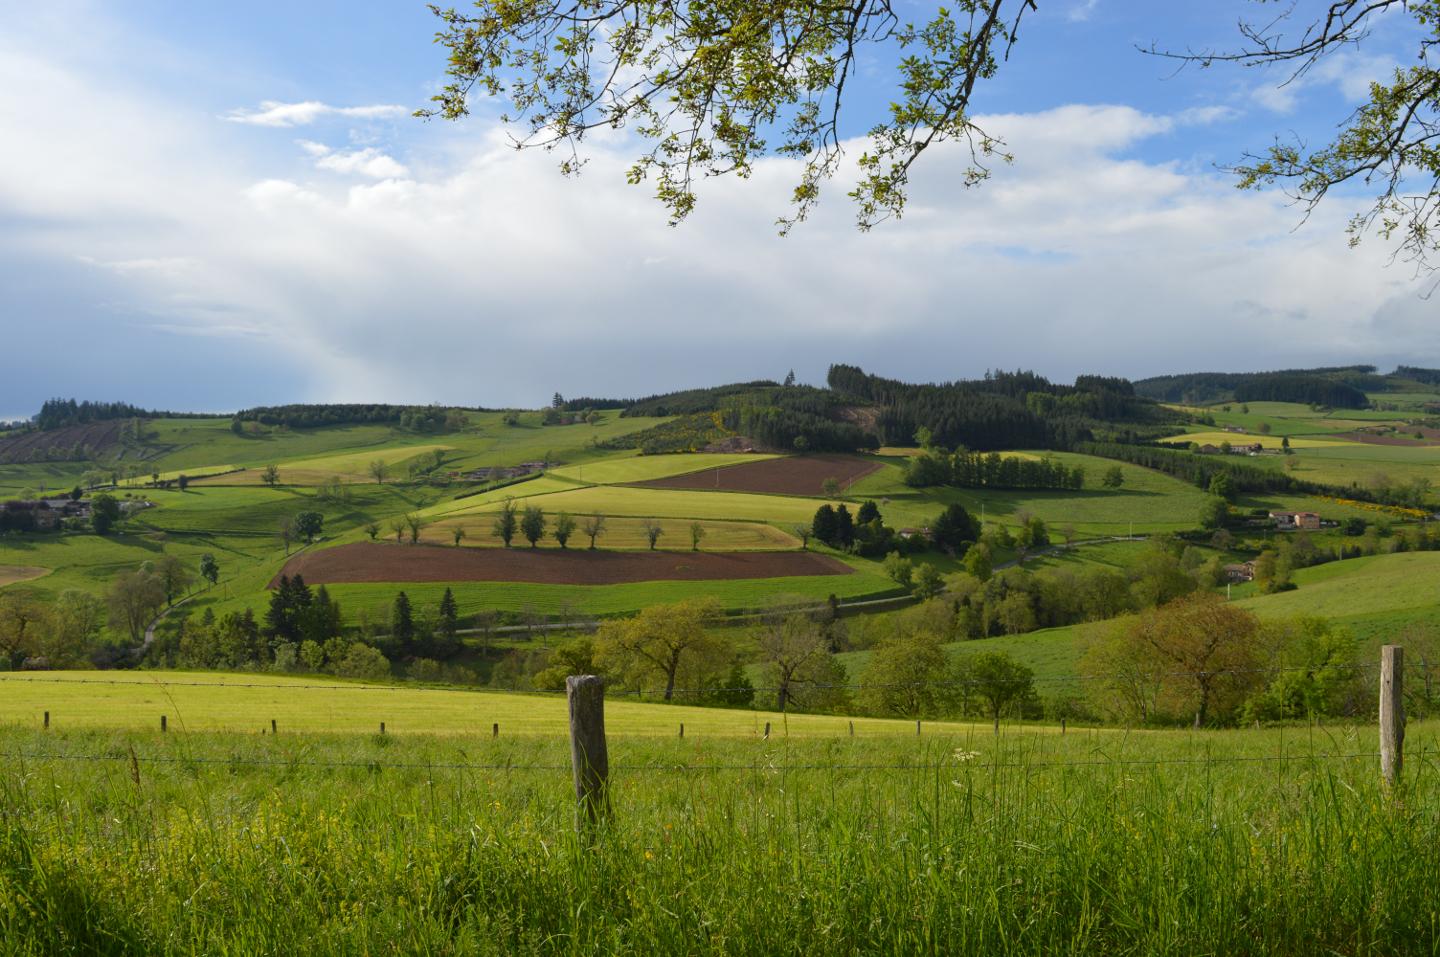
(956, 841)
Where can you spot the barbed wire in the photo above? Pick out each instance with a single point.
(967, 762)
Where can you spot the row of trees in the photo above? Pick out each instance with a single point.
(966, 469)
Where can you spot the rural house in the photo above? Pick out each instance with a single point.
(1243, 572)
(1291, 521)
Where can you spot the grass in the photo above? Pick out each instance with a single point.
(1151, 501)
(569, 601)
(1271, 441)
(956, 842)
(626, 533)
(643, 468)
(350, 467)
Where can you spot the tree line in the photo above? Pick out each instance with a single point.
(966, 469)
(421, 418)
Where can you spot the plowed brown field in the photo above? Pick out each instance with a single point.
(374, 562)
(793, 475)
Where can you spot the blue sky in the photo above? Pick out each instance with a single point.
(207, 206)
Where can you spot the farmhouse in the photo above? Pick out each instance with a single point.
(1249, 448)
(1243, 572)
(1291, 521)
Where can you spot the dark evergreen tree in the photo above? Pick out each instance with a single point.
(844, 528)
(824, 525)
(402, 622)
(869, 512)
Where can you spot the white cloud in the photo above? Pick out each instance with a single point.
(1082, 11)
(367, 162)
(278, 114)
(1349, 72)
(437, 286)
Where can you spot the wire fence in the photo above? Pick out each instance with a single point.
(341, 686)
(758, 766)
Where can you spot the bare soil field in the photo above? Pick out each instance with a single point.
(793, 475)
(375, 562)
(14, 574)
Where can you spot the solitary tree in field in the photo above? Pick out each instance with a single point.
(653, 531)
(309, 524)
(802, 532)
(271, 475)
(830, 488)
(372, 529)
(378, 470)
(456, 534)
(593, 527)
(175, 576)
(532, 524)
(397, 525)
(697, 532)
(564, 528)
(658, 641)
(796, 652)
(1113, 478)
(1000, 681)
(506, 523)
(209, 569)
(285, 531)
(414, 523)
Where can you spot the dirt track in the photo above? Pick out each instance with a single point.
(794, 475)
(374, 562)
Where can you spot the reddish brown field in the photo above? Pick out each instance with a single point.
(794, 475)
(374, 562)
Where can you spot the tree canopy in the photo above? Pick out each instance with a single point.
(713, 86)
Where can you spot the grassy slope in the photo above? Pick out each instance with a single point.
(201, 701)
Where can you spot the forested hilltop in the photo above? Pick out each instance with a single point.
(1336, 387)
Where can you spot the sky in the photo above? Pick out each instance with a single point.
(213, 206)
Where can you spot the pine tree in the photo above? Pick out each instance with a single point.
(402, 621)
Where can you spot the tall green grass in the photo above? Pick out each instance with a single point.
(1277, 842)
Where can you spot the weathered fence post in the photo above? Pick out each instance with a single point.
(272, 725)
(852, 729)
(682, 729)
(1062, 726)
(917, 729)
(589, 756)
(162, 724)
(495, 730)
(47, 719)
(767, 730)
(1392, 712)
(382, 727)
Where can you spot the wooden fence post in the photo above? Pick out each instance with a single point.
(682, 729)
(767, 730)
(47, 719)
(162, 724)
(917, 729)
(495, 730)
(852, 729)
(382, 727)
(272, 725)
(1392, 712)
(589, 757)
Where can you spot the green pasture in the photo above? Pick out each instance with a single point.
(956, 841)
(643, 468)
(1271, 441)
(1153, 502)
(311, 704)
(582, 601)
(349, 467)
(623, 533)
(661, 503)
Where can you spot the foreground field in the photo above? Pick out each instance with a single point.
(1276, 842)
